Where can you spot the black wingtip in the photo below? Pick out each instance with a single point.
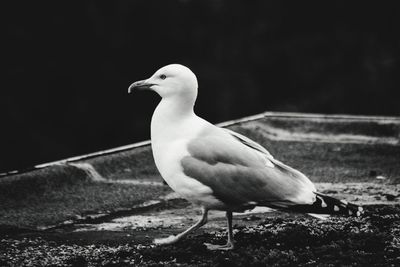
(329, 205)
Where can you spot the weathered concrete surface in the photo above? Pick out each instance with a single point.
(117, 201)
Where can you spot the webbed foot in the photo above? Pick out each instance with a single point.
(166, 241)
(227, 246)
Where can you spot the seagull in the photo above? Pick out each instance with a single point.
(219, 169)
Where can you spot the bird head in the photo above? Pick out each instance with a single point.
(173, 80)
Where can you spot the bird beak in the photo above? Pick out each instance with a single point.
(140, 85)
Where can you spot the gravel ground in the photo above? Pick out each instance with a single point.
(284, 240)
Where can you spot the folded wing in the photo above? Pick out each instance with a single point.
(242, 173)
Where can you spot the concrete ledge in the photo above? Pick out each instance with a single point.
(385, 129)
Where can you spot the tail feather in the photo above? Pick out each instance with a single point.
(328, 205)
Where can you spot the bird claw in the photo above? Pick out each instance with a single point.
(227, 246)
(165, 241)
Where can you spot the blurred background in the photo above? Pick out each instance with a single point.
(67, 66)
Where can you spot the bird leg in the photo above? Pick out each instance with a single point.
(230, 244)
(175, 238)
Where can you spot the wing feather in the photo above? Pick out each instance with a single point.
(238, 175)
(248, 142)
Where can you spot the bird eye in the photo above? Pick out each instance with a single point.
(162, 76)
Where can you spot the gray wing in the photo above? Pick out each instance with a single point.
(238, 175)
(248, 142)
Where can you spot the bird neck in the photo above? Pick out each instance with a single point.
(176, 106)
(171, 111)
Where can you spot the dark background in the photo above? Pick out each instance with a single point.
(67, 66)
